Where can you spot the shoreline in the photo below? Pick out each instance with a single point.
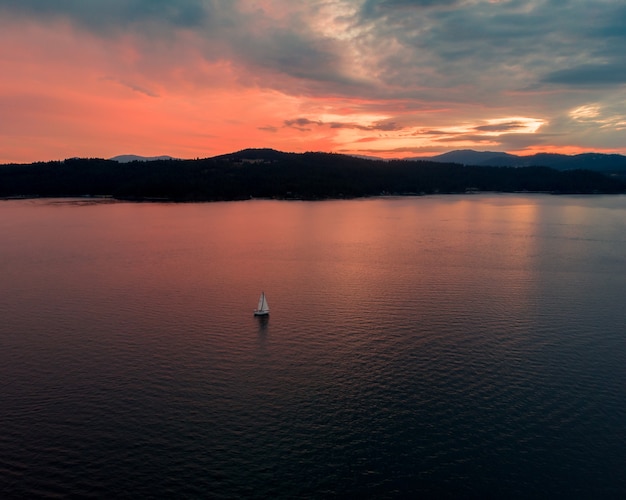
(97, 199)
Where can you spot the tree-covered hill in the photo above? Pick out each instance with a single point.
(598, 162)
(267, 173)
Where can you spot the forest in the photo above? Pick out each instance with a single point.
(266, 173)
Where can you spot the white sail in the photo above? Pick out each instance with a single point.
(261, 302)
(263, 308)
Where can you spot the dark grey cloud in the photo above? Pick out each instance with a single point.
(490, 49)
(502, 127)
(474, 138)
(305, 125)
(590, 75)
(108, 15)
(299, 55)
(518, 142)
(418, 150)
(381, 126)
(503, 142)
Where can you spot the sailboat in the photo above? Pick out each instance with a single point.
(263, 309)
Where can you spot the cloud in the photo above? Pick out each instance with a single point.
(305, 124)
(268, 128)
(254, 39)
(450, 50)
(377, 8)
(521, 142)
(502, 127)
(133, 86)
(335, 73)
(481, 51)
(301, 124)
(590, 75)
(585, 112)
(115, 15)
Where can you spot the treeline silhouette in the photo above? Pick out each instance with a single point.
(266, 173)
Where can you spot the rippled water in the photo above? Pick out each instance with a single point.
(457, 346)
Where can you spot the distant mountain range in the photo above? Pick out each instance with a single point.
(588, 161)
(598, 162)
(129, 158)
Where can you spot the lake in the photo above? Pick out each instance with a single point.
(466, 346)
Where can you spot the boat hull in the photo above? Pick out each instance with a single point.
(261, 313)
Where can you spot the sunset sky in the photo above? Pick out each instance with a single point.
(391, 78)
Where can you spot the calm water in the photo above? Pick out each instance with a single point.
(458, 346)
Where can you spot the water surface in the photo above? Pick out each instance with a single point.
(457, 346)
